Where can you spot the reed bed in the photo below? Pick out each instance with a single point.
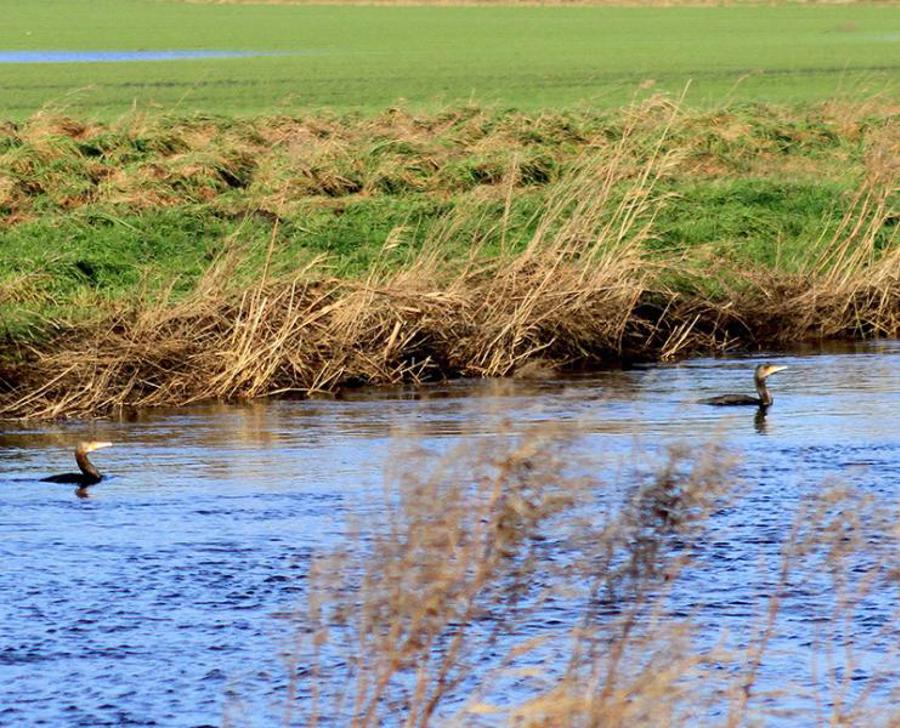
(587, 287)
(519, 580)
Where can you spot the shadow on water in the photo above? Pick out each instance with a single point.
(206, 526)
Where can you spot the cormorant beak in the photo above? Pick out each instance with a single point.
(91, 446)
(773, 369)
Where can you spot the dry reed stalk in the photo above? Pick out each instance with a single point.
(455, 560)
(440, 599)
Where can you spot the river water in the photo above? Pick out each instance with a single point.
(157, 600)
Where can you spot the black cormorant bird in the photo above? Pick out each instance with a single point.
(88, 476)
(765, 399)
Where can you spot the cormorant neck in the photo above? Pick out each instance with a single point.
(765, 396)
(85, 465)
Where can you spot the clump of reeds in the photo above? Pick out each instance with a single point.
(521, 580)
(569, 292)
(848, 284)
(472, 547)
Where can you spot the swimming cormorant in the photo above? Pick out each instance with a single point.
(88, 476)
(765, 399)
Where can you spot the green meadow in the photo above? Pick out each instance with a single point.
(365, 58)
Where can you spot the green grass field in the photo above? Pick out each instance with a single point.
(366, 58)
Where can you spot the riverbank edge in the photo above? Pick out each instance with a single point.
(582, 283)
(304, 338)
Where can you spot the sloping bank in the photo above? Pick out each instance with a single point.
(582, 282)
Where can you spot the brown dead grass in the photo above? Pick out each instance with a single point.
(847, 286)
(506, 582)
(464, 552)
(279, 164)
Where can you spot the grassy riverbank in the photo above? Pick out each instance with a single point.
(158, 261)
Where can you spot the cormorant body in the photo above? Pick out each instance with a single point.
(89, 474)
(765, 398)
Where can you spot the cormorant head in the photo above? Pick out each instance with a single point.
(90, 446)
(766, 370)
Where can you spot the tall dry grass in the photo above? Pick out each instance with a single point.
(570, 291)
(514, 581)
(587, 288)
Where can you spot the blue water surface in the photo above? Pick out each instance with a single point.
(165, 599)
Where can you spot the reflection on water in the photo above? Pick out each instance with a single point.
(122, 56)
(156, 600)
